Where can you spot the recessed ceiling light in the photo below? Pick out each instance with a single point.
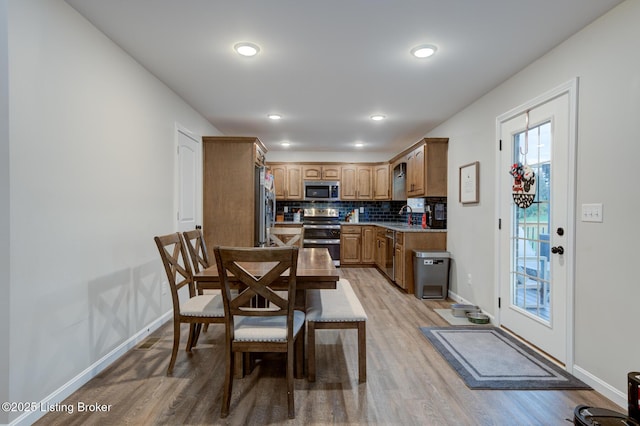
(246, 49)
(423, 51)
(285, 144)
(378, 117)
(274, 116)
(359, 144)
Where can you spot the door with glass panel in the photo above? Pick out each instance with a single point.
(536, 203)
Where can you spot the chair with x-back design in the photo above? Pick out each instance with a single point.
(197, 309)
(276, 328)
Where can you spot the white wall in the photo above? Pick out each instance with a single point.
(4, 212)
(92, 146)
(605, 58)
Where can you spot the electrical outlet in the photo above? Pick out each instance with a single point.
(592, 212)
(361, 209)
(286, 209)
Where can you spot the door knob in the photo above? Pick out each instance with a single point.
(557, 250)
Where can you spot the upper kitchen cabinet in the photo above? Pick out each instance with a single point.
(427, 168)
(381, 182)
(356, 182)
(228, 192)
(321, 172)
(287, 179)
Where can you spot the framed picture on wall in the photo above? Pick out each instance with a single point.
(469, 175)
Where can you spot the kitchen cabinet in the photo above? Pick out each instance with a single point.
(357, 244)
(356, 182)
(321, 172)
(350, 244)
(368, 244)
(287, 178)
(427, 166)
(228, 188)
(381, 182)
(415, 172)
(406, 243)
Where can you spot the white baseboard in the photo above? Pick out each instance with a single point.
(618, 397)
(89, 373)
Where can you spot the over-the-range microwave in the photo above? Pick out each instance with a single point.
(315, 190)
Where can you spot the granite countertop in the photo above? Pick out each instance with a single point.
(397, 226)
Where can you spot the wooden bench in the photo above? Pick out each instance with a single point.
(336, 309)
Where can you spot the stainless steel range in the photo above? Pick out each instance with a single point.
(322, 229)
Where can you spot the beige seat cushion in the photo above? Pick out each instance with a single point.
(266, 329)
(337, 305)
(206, 305)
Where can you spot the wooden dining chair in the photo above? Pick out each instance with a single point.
(197, 249)
(196, 309)
(276, 328)
(286, 236)
(199, 259)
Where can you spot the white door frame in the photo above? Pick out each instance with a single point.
(571, 89)
(176, 196)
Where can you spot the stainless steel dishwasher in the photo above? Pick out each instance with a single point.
(389, 267)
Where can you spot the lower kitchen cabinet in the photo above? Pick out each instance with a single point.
(357, 244)
(350, 244)
(406, 243)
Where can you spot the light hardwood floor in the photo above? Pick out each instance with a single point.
(408, 382)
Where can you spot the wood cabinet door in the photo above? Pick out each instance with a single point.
(350, 248)
(381, 182)
(436, 160)
(348, 182)
(311, 172)
(294, 183)
(331, 172)
(279, 180)
(368, 244)
(365, 183)
(415, 172)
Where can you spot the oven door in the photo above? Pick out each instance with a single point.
(332, 245)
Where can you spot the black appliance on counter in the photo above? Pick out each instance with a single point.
(322, 229)
(592, 416)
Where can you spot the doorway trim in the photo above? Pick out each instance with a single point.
(569, 88)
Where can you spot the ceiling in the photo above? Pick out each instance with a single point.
(327, 66)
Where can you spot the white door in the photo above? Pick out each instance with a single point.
(536, 235)
(188, 180)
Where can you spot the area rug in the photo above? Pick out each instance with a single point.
(488, 358)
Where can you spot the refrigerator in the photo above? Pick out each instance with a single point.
(265, 205)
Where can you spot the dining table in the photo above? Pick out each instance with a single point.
(316, 271)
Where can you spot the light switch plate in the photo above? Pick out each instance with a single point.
(592, 212)
(361, 209)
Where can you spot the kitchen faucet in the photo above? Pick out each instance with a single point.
(409, 211)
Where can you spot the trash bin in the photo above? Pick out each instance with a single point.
(431, 274)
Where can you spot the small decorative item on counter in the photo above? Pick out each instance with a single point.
(296, 215)
(348, 217)
(424, 221)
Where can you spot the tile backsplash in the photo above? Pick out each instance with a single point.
(374, 211)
